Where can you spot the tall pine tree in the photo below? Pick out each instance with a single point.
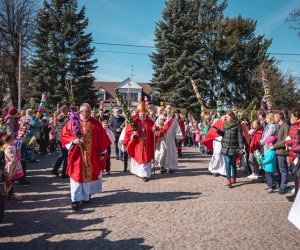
(177, 55)
(63, 64)
(244, 55)
(212, 57)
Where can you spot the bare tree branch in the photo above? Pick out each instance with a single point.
(17, 24)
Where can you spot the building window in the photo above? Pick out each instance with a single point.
(134, 97)
(124, 96)
(101, 96)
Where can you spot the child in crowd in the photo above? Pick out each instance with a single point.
(52, 137)
(204, 130)
(13, 167)
(112, 139)
(255, 137)
(268, 161)
(198, 138)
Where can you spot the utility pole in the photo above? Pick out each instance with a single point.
(20, 71)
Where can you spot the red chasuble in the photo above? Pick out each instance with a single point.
(84, 164)
(212, 134)
(140, 148)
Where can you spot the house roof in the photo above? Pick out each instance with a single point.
(129, 83)
(146, 88)
(109, 87)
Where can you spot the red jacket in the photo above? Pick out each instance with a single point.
(255, 138)
(292, 133)
(182, 127)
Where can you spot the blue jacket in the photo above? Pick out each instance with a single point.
(269, 161)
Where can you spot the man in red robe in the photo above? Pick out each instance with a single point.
(140, 144)
(86, 158)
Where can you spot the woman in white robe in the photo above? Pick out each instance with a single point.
(217, 162)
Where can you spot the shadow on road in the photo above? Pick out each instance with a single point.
(180, 172)
(136, 197)
(53, 239)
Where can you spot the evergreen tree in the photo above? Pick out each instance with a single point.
(63, 64)
(177, 58)
(213, 53)
(244, 55)
(281, 87)
(195, 40)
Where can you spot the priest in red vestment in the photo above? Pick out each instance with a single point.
(140, 144)
(87, 155)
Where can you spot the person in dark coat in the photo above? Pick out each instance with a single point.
(44, 136)
(101, 115)
(232, 145)
(281, 152)
(116, 124)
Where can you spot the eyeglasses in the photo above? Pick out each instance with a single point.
(85, 111)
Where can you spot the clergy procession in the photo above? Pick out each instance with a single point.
(263, 146)
(168, 124)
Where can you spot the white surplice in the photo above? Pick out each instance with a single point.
(82, 191)
(166, 152)
(294, 215)
(217, 162)
(139, 169)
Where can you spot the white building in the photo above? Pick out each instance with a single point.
(132, 92)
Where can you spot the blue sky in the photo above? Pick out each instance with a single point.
(133, 22)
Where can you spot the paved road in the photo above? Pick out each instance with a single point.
(189, 209)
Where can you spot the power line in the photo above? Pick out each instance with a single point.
(284, 54)
(152, 47)
(125, 45)
(147, 54)
(288, 60)
(122, 52)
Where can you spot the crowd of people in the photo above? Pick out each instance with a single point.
(266, 149)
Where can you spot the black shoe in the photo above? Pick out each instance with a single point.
(24, 182)
(291, 198)
(64, 176)
(145, 179)
(89, 200)
(125, 170)
(163, 170)
(117, 158)
(281, 191)
(55, 173)
(75, 205)
(170, 171)
(215, 174)
(108, 173)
